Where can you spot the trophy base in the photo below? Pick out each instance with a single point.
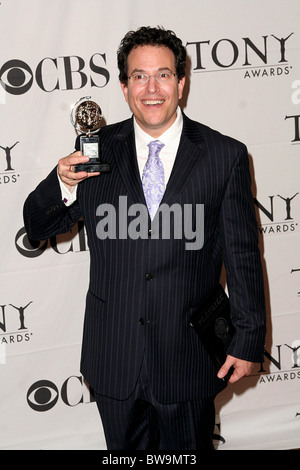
(89, 146)
(91, 167)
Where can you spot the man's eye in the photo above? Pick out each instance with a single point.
(139, 76)
(164, 76)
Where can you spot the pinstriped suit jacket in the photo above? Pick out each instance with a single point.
(142, 291)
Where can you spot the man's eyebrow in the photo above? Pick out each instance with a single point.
(138, 71)
(157, 70)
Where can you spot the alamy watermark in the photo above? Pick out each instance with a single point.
(185, 222)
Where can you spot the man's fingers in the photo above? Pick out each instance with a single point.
(241, 368)
(71, 160)
(66, 168)
(225, 367)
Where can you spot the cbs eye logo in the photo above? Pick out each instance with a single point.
(42, 395)
(16, 76)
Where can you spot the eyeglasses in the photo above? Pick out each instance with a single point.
(141, 78)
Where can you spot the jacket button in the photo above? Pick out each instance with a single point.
(149, 277)
(141, 321)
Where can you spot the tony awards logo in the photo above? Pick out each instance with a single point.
(86, 117)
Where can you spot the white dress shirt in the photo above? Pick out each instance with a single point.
(170, 138)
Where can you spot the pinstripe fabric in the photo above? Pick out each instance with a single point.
(141, 423)
(209, 169)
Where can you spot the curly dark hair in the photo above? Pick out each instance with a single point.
(147, 36)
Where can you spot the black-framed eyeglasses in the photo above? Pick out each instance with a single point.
(141, 77)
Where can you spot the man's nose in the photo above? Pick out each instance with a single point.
(152, 84)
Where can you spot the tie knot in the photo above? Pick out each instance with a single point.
(155, 147)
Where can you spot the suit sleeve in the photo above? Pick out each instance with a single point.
(243, 263)
(45, 214)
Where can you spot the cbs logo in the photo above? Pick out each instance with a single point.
(44, 394)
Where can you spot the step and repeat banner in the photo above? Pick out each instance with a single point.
(244, 80)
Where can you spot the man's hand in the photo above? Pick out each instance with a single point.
(66, 170)
(241, 368)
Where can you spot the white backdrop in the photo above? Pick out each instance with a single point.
(244, 80)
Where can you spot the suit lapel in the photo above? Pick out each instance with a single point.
(126, 161)
(189, 151)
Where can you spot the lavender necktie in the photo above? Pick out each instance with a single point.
(154, 178)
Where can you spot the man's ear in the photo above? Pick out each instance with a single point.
(125, 90)
(181, 84)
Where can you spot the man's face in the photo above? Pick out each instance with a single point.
(153, 104)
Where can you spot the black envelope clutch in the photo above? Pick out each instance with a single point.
(212, 323)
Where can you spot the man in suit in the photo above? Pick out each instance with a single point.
(154, 381)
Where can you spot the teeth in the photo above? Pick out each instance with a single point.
(152, 102)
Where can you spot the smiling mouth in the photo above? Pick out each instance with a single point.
(153, 102)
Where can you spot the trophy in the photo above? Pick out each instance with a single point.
(86, 117)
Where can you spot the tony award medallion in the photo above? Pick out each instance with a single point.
(86, 117)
